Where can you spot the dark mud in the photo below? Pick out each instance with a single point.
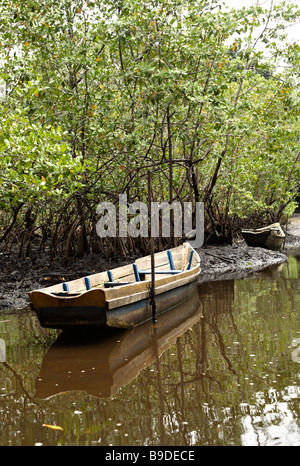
(17, 277)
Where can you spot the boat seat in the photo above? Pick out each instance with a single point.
(172, 270)
(161, 272)
(65, 292)
(111, 284)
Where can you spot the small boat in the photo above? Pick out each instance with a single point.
(120, 297)
(270, 237)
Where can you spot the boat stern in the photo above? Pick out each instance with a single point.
(86, 309)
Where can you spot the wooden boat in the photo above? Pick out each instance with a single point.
(103, 361)
(121, 297)
(270, 237)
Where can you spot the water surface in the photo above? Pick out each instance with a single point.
(222, 369)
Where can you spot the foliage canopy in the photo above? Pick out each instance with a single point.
(98, 93)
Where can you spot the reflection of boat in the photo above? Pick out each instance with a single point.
(119, 298)
(100, 363)
(270, 237)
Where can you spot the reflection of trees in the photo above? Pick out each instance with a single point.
(19, 381)
(173, 401)
(213, 383)
(214, 377)
(19, 410)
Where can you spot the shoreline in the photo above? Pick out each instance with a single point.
(221, 262)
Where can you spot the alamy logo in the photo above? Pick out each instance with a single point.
(138, 225)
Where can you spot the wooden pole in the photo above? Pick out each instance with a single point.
(152, 289)
(171, 239)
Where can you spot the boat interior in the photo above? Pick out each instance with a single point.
(167, 263)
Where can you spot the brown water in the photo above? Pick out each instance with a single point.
(223, 369)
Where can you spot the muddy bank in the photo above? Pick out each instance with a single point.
(237, 261)
(17, 277)
(217, 263)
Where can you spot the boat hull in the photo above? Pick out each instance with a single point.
(264, 240)
(125, 316)
(271, 237)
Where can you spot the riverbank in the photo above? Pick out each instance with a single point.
(217, 263)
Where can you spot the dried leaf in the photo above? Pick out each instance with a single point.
(53, 427)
